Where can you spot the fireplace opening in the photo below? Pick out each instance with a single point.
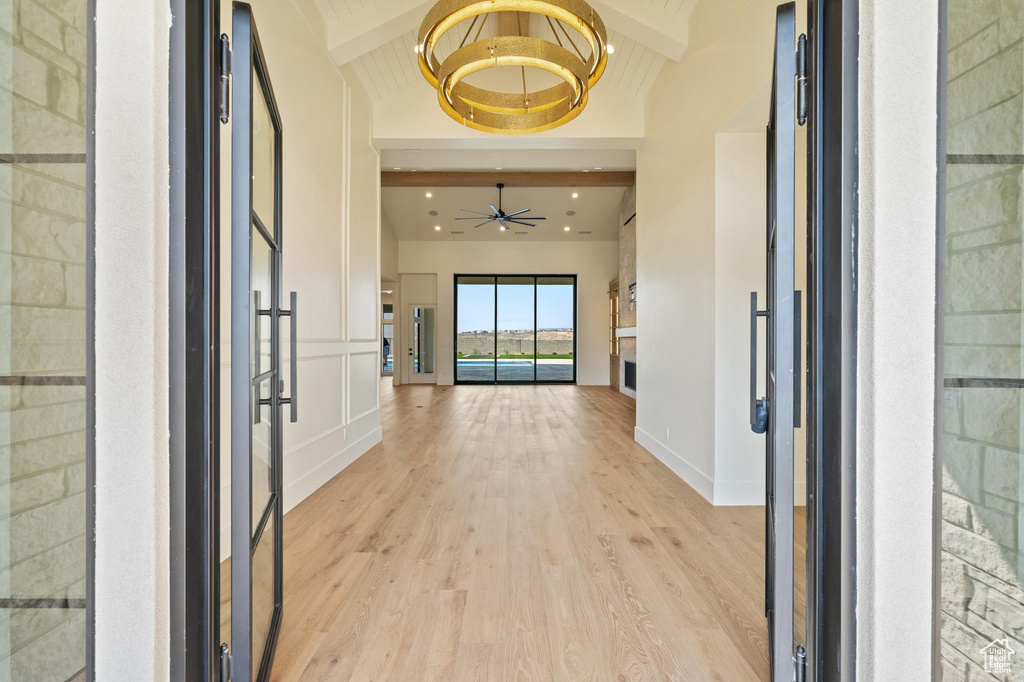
(631, 375)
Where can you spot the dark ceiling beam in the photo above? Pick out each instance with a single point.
(511, 179)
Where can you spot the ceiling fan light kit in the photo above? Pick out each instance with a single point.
(500, 216)
(508, 113)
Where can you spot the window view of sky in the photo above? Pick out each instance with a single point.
(515, 307)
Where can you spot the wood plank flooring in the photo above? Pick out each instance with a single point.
(518, 533)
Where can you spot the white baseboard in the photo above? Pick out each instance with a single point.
(695, 478)
(302, 487)
(718, 493)
(298, 490)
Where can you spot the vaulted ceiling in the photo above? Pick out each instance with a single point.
(376, 39)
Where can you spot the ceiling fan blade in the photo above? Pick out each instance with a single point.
(513, 215)
(496, 211)
(486, 222)
(482, 215)
(520, 222)
(466, 210)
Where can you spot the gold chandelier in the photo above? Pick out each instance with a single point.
(518, 113)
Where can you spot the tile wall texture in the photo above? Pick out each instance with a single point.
(982, 591)
(42, 333)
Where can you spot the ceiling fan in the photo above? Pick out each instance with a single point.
(499, 215)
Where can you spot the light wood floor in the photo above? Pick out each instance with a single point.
(518, 533)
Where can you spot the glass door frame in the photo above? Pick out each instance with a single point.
(782, 374)
(536, 285)
(414, 337)
(831, 339)
(251, 71)
(194, 343)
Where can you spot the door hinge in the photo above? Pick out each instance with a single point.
(225, 664)
(224, 86)
(801, 79)
(800, 664)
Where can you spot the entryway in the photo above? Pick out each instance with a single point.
(509, 531)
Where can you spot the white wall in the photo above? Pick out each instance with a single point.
(331, 250)
(896, 339)
(701, 250)
(388, 249)
(596, 264)
(132, 588)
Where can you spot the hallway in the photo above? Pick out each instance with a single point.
(518, 533)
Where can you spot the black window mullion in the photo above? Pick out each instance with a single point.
(495, 329)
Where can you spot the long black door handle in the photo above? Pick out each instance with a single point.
(797, 343)
(293, 317)
(758, 407)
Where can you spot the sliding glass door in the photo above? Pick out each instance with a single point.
(475, 323)
(556, 329)
(515, 329)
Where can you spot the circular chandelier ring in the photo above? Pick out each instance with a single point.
(505, 113)
(577, 14)
(514, 124)
(512, 51)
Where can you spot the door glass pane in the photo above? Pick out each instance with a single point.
(387, 344)
(516, 328)
(263, 158)
(423, 334)
(475, 329)
(262, 449)
(43, 534)
(263, 595)
(982, 577)
(556, 332)
(262, 299)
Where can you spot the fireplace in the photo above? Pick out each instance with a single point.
(630, 375)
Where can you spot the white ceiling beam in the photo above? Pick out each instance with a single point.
(666, 32)
(365, 31)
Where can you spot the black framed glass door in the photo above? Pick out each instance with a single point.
(256, 360)
(515, 329)
(777, 414)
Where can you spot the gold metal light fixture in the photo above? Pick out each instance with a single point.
(514, 113)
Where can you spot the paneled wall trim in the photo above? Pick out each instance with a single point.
(331, 250)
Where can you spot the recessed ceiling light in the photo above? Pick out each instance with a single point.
(586, 170)
(430, 195)
(503, 228)
(397, 169)
(567, 228)
(611, 49)
(499, 168)
(575, 195)
(437, 228)
(599, 168)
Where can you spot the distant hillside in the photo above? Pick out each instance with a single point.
(517, 342)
